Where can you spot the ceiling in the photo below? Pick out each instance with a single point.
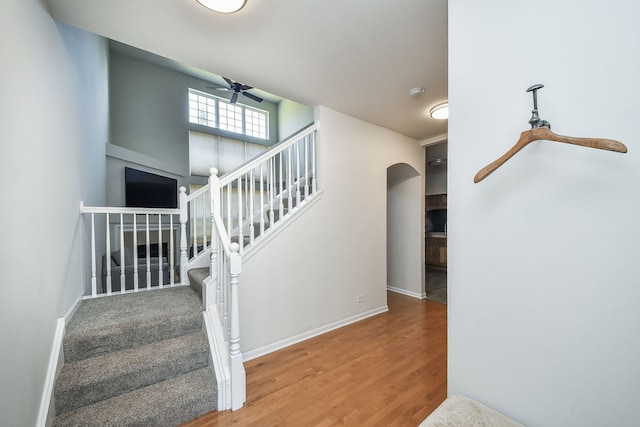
(357, 57)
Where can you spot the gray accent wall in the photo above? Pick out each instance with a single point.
(149, 122)
(54, 126)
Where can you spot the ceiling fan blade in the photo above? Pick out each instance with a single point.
(252, 96)
(226, 89)
(234, 98)
(229, 82)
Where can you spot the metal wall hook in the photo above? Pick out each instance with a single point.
(535, 120)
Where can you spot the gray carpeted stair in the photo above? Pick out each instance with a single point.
(136, 359)
(196, 277)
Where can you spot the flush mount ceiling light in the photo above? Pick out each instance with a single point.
(437, 162)
(440, 112)
(223, 6)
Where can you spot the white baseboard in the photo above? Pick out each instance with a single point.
(407, 293)
(73, 309)
(47, 407)
(279, 345)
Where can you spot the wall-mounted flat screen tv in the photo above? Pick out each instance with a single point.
(148, 190)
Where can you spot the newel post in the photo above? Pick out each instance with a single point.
(184, 215)
(238, 379)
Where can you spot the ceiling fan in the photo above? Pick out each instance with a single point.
(237, 89)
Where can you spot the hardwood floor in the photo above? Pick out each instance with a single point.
(388, 370)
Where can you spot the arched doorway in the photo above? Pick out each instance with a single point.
(405, 229)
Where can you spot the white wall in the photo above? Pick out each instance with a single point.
(405, 232)
(310, 275)
(543, 254)
(53, 115)
(292, 117)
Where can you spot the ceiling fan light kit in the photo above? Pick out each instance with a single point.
(223, 6)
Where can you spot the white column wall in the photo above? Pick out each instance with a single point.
(53, 130)
(405, 241)
(543, 254)
(311, 274)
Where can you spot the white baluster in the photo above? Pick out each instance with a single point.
(271, 190)
(204, 221)
(148, 252)
(225, 303)
(108, 258)
(214, 192)
(171, 252)
(262, 198)
(184, 215)
(250, 195)
(306, 167)
(240, 235)
(194, 235)
(238, 379)
(289, 181)
(160, 252)
(297, 173)
(314, 183)
(281, 183)
(94, 284)
(135, 253)
(122, 265)
(222, 282)
(218, 269)
(229, 219)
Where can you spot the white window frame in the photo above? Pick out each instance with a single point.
(214, 117)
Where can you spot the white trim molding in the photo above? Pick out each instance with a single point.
(47, 411)
(279, 345)
(407, 293)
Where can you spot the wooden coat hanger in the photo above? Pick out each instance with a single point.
(541, 129)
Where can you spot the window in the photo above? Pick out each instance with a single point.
(214, 112)
(202, 109)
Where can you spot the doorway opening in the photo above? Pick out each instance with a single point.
(405, 256)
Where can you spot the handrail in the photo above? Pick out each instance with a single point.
(222, 234)
(273, 150)
(123, 210)
(200, 191)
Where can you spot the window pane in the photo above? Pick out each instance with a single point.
(201, 109)
(235, 118)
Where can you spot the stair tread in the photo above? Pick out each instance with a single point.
(117, 322)
(101, 377)
(167, 403)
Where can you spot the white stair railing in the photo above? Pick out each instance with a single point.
(245, 207)
(137, 248)
(258, 194)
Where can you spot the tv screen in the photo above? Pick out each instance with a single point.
(148, 190)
